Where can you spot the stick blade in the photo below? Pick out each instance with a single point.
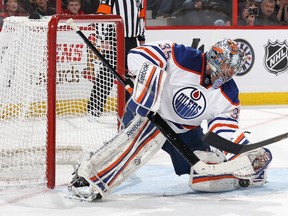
(221, 143)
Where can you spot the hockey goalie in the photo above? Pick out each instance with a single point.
(184, 86)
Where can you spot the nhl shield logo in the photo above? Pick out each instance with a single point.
(276, 57)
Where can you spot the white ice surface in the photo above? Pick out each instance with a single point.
(156, 191)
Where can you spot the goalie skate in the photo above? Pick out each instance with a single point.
(116, 160)
(80, 189)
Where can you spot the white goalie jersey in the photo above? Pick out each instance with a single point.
(188, 97)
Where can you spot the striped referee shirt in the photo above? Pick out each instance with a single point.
(132, 13)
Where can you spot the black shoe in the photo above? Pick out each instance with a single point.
(78, 181)
(79, 189)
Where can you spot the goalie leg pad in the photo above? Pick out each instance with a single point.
(223, 183)
(117, 159)
(212, 183)
(215, 183)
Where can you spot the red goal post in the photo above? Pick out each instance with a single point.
(57, 96)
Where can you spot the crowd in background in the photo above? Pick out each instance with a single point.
(178, 12)
(36, 9)
(263, 13)
(191, 12)
(219, 12)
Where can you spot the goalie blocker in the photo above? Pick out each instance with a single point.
(147, 90)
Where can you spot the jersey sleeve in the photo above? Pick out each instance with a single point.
(226, 125)
(157, 53)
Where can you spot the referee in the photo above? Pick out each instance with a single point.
(132, 13)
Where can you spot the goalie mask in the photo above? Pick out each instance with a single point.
(225, 60)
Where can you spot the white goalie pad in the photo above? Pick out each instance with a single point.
(117, 159)
(217, 183)
(212, 183)
(148, 86)
(250, 176)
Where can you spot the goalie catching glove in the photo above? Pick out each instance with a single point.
(260, 159)
(147, 90)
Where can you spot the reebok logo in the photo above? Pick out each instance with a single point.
(142, 73)
(134, 128)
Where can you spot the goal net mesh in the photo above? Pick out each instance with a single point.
(86, 95)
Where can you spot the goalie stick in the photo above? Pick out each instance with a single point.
(219, 142)
(242, 164)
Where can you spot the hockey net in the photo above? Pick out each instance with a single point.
(56, 95)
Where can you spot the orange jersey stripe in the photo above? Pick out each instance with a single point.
(239, 138)
(152, 54)
(104, 9)
(223, 125)
(189, 127)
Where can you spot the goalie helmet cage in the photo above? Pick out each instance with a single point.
(56, 95)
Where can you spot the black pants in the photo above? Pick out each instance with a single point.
(104, 82)
(193, 140)
(130, 43)
(102, 86)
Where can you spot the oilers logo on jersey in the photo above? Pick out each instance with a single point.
(189, 103)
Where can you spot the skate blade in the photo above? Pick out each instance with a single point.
(90, 198)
